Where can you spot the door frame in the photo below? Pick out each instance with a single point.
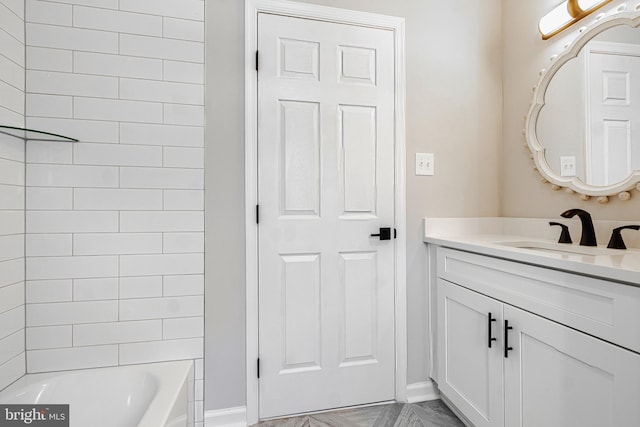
(342, 16)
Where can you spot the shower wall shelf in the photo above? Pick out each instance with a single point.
(34, 135)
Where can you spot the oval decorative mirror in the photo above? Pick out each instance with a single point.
(583, 128)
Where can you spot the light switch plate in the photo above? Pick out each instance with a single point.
(567, 166)
(425, 164)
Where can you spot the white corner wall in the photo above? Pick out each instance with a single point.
(12, 83)
(115, 222)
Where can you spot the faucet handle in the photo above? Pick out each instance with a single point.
(565, 236)
(616, 241)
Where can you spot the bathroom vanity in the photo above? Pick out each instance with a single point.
(527, 332)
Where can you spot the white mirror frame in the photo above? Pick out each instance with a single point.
(602, 22)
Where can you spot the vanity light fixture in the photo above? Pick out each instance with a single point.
(565, 14)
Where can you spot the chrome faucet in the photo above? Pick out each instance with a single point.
(588, 233)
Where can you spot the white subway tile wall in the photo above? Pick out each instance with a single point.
(115, 222)
(12, 194)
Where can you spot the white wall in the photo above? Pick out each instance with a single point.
(115, 222)
(561, 123)
(12, 323)
(224, 212)
(454, 109)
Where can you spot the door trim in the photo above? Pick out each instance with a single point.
(343, 16)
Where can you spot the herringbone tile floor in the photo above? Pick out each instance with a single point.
(425, 414)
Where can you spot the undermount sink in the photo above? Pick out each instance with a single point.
(564, 249)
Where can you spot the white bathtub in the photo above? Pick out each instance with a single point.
(152, 395)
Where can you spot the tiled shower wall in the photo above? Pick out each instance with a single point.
(12, 81)
(114, 242)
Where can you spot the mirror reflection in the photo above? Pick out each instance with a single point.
(590, 123)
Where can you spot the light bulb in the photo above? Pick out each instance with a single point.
(587, 5)
(556, 19)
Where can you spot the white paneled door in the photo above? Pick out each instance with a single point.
(325, 184)
(614, 110)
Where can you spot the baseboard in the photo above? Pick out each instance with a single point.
(421, 392)
(230, 417)
(237, 417)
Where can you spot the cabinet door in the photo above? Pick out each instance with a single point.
(469, 372)
(558, 377)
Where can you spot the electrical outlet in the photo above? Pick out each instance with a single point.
(425, 164)
(567, 166)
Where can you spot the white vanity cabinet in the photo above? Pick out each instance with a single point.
(570, 361)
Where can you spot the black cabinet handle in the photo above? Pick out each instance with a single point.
(384, 234)
(506, 339)
(490, 320)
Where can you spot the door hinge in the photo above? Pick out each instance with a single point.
(257, 66)
(257, 214)
(258, 366)
(395, 233)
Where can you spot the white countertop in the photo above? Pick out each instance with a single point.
(611, 264)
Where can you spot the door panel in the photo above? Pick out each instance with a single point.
(358, 326)
(325, 184)
(357, 65)
(358, 163)
(299, 59)
(301, 312)
(300, 148)
(558, 377)
(470, 373)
